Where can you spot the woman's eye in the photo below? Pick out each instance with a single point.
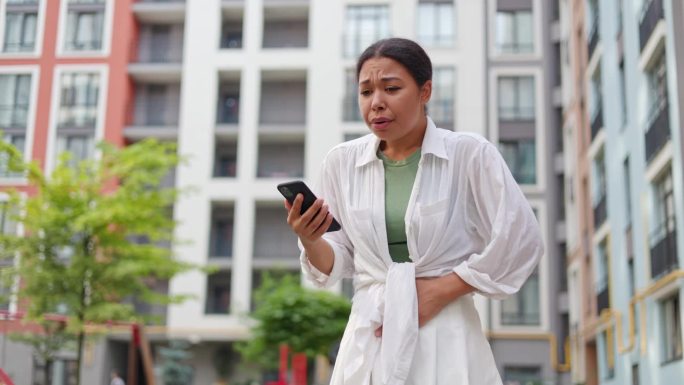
(365, 92)
(391, 89)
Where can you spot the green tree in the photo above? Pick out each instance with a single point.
(174, 367)
(81, 253)
(308, 321)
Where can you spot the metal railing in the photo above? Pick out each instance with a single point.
(664, 250)
(651, 13)
(658, 128)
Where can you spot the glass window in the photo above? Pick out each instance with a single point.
(364, 25)
(20, 31)
(441, 106)
(436, 23)
(516, 98)
(523, 307)
(657, 87)
(81, 147)
(79, 97)
(599, 179)
(221, 237)
(84, 29)
(218, 293)
(672, 329)
(514, 32)
(15, 91)
(520, 156)
(664, 207)
(608, 356)
(350, 108)
(522, 375)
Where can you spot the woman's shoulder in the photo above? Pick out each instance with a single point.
(349, 150)
(468, 142)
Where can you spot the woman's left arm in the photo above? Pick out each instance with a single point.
(434, 294)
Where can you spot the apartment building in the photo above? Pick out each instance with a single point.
(623, 98)
(255, 93)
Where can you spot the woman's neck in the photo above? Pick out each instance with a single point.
(403, 147)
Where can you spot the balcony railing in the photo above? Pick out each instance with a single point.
(651, 13)
(602, 300)
(597, 121)
(664, 251)
(658, 128)
(600, 212)
(593, 37)
(13, 116)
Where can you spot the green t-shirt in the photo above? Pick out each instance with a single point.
(399, 178)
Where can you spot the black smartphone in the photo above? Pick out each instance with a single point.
(290, 191)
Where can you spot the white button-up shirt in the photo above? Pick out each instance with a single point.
(467, 215)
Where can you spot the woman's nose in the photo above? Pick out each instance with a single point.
(378, 102)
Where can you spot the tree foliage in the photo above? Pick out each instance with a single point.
(94, 234)
(308, 321)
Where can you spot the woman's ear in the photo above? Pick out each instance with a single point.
(426, 92)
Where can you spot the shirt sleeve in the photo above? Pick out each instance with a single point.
(343, 265)
(504, 219)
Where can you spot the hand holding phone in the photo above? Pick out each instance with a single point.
(290, 190)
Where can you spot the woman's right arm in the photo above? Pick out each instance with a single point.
(310, 228)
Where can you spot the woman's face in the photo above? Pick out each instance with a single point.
(391, 102)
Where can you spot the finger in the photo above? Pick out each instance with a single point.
(312, 211)
(288, 205)
(320, 217)
(295, 208)
(323, 228)
(378, 332)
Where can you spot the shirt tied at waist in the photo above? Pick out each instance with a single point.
(392, 304)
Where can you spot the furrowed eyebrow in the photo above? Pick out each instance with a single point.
(385, 79)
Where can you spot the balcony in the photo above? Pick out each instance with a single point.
(159, 11)
(286, 26)
(275, 245)
(232, 27)
(225, 159)
(597, 120)
(651, 14)
(282, 110)
(593, 38)
(221, 236)
(600, 212)
(218, 293)
(160, 43)
(658, 128)
(279, 159)
(13, 116)
(603, 299)
(228, 108)
(664, 250)
(155, 112)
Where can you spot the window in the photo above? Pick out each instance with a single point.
(596, 95)
(15, 91)
(436, 22)
(7, 227)
(273, 239)
(14, 105)
(79, 97)
(81, 147)
(364, 25)
(85, 20)
(514, 32)
(599, 179)
(623, 95)
(672, 329)
(20, 29)
(522, 375)
(221, 237)
(628, 192)
(523, 307)
(664, 207)
(516, 98)
(229, 103)
(231, 33)
(350, 108)
(441, 106)
(218, 293)
(657, 87)
(602, 267)
(520, 156)
(608, 356)
(225, 159)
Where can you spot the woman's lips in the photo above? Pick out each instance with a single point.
(380, 124)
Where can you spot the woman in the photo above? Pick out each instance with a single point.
(428, 217)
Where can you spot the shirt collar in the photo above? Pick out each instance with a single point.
(433, 143)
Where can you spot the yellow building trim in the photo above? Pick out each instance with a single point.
(553, 345)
